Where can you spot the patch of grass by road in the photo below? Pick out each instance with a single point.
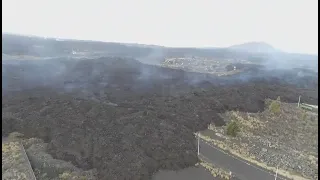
(250, 159)
(290, 135)
(274, 106)
(71, 176)
(215, 171)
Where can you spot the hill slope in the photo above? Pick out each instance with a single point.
(254, 47)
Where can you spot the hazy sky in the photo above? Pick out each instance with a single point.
(290, 25)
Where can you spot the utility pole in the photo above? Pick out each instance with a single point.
(198, 144)
(275, 178)
(299, 101)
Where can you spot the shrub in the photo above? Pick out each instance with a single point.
(274, 107)
(233, 129)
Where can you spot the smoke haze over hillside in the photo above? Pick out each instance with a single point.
(112, 106)
(198, 24)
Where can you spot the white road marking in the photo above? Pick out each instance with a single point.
(228, 154)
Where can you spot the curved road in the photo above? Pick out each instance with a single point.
(240, 168)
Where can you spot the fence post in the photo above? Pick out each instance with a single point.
(198, 144)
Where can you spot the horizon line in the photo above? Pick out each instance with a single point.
(157, 45)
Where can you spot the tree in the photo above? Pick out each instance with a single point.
(274, 107)
(233, 129)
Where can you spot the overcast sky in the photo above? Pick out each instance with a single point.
(290, 25)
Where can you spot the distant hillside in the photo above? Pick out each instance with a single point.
(254, 47)
(52, 47)
(18, 46)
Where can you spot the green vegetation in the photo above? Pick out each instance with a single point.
(306, 107)
(233, 129)
(274, 106)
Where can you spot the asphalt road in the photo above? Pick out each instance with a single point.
(240, 168)
(191, 173)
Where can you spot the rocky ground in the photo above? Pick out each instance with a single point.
(125, 119)
(202, 170)
(40, 165)
(288, 139)
(37, 163)
(15, 164)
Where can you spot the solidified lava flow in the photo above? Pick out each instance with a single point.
(126, 119)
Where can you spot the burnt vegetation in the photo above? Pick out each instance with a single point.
(125, 118)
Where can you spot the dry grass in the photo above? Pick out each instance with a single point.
(14, 162)
(11, 151)
(215, 171)
(247, 121)
(71, 176)
(292, 128)
(243, 155)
